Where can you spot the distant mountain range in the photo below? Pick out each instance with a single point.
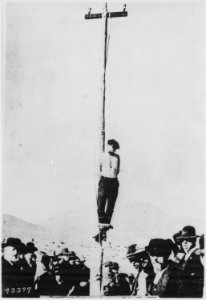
(16, 227)
(143, 221)
(132, 223)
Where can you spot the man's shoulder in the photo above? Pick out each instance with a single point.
(5, 263)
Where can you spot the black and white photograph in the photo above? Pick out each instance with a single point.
(102, 143)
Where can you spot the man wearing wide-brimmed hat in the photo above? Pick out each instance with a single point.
(191, 269)
(111, 269)
(30, 255)
(29, 266)
(165, 282)
(187, 238)
(141, 262)
(11, 272)
(134, 253)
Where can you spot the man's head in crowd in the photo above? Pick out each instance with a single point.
(10, 254)
(137, 256)
(30, 255)
(159, 251)
(187, 238)
(45, 260)
(112, 267)
(12, 249)
(56, 265)
(65, 254)
(72, 258)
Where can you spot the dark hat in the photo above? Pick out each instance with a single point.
(113, 143)
(111, 264)
(30, 248)
(134, 251)
(176, 236)
(45, 259)
(159, 247)
(107, 263)
(114, 266)
(65, 251)
(14, 242)
(188, 232)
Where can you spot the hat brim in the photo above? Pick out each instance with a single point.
(137, 253)
(18, 247)
(182, 237)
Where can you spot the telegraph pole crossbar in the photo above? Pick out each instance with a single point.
(109, 15)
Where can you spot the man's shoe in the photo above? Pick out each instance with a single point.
(96, 238)
(102, 236)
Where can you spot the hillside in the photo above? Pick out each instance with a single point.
(16, 227)
(143, 221)
(132, 223)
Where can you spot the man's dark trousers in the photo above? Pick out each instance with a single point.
(107, 195)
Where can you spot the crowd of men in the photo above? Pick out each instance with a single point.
(28, 272)
(164, 268)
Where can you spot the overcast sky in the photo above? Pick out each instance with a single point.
(52, 104)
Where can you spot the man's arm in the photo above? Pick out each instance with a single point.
(118, 164)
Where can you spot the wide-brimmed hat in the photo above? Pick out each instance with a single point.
(30, 248)
(14, 242)
(159, 247)
(114, 266)
(111, 265)
(134, 251)
(108, 263)
(176, 236)
(188, 232)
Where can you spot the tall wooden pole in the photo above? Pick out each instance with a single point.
(104, 77)
(105, 15)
